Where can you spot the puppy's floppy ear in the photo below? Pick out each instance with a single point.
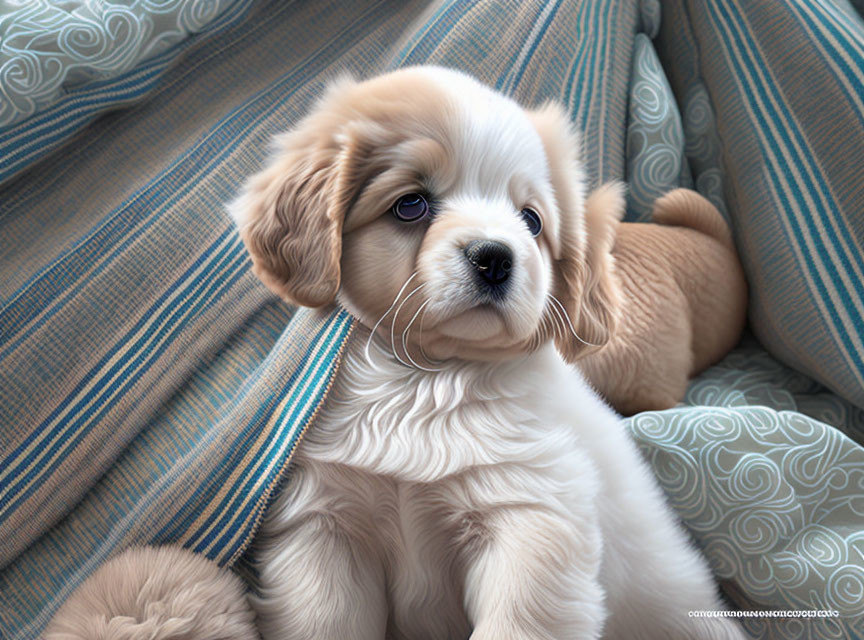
(584, 272)
(290, 214)
(601, 303)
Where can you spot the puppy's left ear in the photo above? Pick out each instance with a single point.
(290, 214)
(584, 270)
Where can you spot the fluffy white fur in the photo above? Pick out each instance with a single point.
(489, 493)
(156, 593)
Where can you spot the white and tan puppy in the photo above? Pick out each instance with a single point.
(462, 479)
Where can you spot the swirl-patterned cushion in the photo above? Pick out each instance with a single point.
(47, 48)
(656, 163)
(667, 146)
(762, 469)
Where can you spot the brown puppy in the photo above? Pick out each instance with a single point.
(683, 301)
(156, 593)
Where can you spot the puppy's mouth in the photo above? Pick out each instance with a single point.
(477, 299)
(462, 325)
(483, 303)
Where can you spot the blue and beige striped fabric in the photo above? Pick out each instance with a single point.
(576, 52)
(784, 81)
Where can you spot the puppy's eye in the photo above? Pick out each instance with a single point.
(411, 207)
(532, 219)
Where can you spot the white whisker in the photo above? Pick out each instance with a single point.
(393, 326)
(555, 320)
(562, 318)
(420, 343)
(570, 323)
(405, 338)
(558, 326)
(386, 313)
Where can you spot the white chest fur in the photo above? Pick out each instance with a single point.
(420, 426)
(424, 504)
(406, 464)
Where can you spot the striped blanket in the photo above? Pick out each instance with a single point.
(152, 390)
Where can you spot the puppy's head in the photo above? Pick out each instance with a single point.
(442, 213)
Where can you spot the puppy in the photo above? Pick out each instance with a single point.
(462, 479)
(683, 301)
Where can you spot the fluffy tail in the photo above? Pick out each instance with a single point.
(686, 208)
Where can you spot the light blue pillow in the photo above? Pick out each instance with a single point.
(655, 137)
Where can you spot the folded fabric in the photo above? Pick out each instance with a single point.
(784, 82)
(63, 64)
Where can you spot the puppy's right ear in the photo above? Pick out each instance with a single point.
(290, 214)
(584, 277)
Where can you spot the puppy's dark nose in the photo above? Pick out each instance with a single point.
(493, 260)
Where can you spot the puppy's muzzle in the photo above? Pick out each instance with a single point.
(493, 263)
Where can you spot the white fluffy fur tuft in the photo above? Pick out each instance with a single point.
(156, 593)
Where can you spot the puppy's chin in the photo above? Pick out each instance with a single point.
(481, 333)
(452, 349)
(476, 334)
(483, 322)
